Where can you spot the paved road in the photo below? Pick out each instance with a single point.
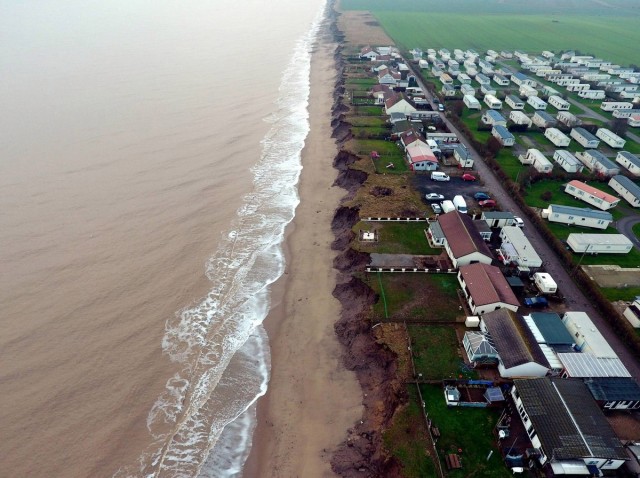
(625, 226)
(575, 298)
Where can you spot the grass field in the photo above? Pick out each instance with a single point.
(435, 352)
(398, 238)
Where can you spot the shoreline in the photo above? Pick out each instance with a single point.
(312, 399)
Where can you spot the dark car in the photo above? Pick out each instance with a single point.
(481, 196)
(536, 302)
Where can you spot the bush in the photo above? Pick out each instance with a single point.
(546, 196)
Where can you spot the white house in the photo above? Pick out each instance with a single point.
(629, 190)
(581, 216)
(625, 113)
(515, 102)
(527, 91)
(488, 90)
(368, 53)
(467, 90)
(610, 138)
(629, 161)
(537, 103)
(503, 135)
(518, 117)
(537, 160)
(584, 138)
(616, 105)
(632, 313)
(420, 157)
(516, 249)
(423, 64)
(483, 79)
(542, 119)
(397, 103)
(579, 87)
(598, 162)
(493, 117)
(464, 79)
(463, 242)
(501, 80)
(522, 79)
(591, 195)
(498, 218)
(568, 119)
(493, 102)
(567, 161)
(599, 243)
(462, 156)
(471, 102)
(448, 91)
(486, 289)
(557, 137)
(559, 103)
(592, 94)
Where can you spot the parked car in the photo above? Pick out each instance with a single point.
(434, 197)
(487, 203)
(439, 176)
(519, 221)
(469, 177)
(536, 302)
(440, 107)
(436, 208)
(481, 196)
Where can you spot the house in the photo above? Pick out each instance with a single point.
(501, 80)
(420, 157)
(615, 105)
(567, 161)
(592, 94)
(522, 79)
(448, 90)
(423, 64)
(515, 102)
(537, 160)
(568, 431)
(629, 161)
(464, 79)
(591, 195)
(471, 102)
(493, 102)
(518, 117)
(400, 127)
(599, 243)
(462, 156)
(482, 79)
(629, 190)
(568, 119)
(614, 393)
(634, 120)
(625, 113)
(584, 138)
(581, 216)
(389, 77)
(467, 90)
(380, 92)
(543, 119)
(528, 91)
(610, 138)
(487, 90)
(598, 162)
(368, 53)
(492, 117)
(547, 328)
(409, 137)
(517, 357)
(558, 103)
(537, 103)
(549, 91)
(498, 218)
(506, 54)
(586, 336)
(557, 137)
(632, 313)
(503, 135)
(472, 71)
(516, 249)
(397, 103)
(486, 289)
(463, 243)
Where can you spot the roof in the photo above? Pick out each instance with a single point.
(506, 338)
(462, 151)
(585, 134)
(494, 115)
(487, 285)
(598, 157)
(626, 183)
(581, 239)
(527, 254)
(479, 343)
(481, 226)
(593, 191)
(410, 136)
(613, 388)
(417, 152)
(447, 87)
(521, 76)
(577, 321)
(584, 365)
(581, 212)
(568, 422)
(567, 157)
(394, 100)
(436, 230)
(547, 327)
(497, 215)
(503, 131)
(632, 158)
(461, 235)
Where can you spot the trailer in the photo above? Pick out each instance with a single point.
(545, 283)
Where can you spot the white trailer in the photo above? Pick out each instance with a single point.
(557, 137)
(599, 243)
(610, 138)
(616, 105)
(545, 283)
(493, 102)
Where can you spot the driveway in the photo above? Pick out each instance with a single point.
(625, 226)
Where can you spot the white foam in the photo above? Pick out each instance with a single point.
(219, 343)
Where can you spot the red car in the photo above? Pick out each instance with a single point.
(487, 203)
(468, 177)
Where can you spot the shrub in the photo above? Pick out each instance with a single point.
(546, 196)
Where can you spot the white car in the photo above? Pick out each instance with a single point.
(519, 221)
(436, 208)
(434, 197)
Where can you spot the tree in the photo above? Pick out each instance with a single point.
(494, 146)
(619, 126)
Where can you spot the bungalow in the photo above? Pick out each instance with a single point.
(448, 90)
(516, 249)
(409, 137)
(528, 91)
(592, 94)
(462, 242)
(616, 105)
(483, 79)
(557, 137)
(522, 79)
(368, 53)
(584, 138)
(379, 93)
(614, 393)
(543, 119)
(598, 162)
(503, 135)
(634, 120)
(462, 156)
(487, 90)
(629, 161)
(537, 103)
(581, 216)
(569, 119)
(610, 138)
(492, 117)
(471, 102)
(389, 77)
(568, 431)
(397, 103)
(599, 243)
(493, 102)
(591, 195)
(420, 157)
(501, 80)
(558, 103)
(518, 117)
(464, 79)
(629, 190)
(486, 289)
(515, 102)
(567, 161)
(498, 218)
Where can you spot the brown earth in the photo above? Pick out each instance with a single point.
(361, 28)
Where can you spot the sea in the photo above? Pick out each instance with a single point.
(149, 160)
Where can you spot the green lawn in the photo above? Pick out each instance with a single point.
(466, 429)
(399, 238)
(435, 352)
(472, 119)
(400, 165)
(636, 230)
(627, 293)
(510, 164)
(365, 146)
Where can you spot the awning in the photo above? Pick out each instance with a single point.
(570, 468)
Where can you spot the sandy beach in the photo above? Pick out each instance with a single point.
(312, 399)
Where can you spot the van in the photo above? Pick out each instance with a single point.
(460, 204)
(438, 176)
(447, 206)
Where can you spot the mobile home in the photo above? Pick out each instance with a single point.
(542, 119)
(488, 90)
(503, 135)
(567, 161)
(462, 156)
(610, 138)
(492, 117)
(599, 243)
(557, 137)
(592, 94)
(537, 103)
(615, 105)
(471, 102)
(579, 216)
(568, 119)
(537, 160)
(522, 79)
(629, 190)
(558, 103)
(527, 91)
(579, 87)
(590, 195)
(518, 117)
(493, 102)
(584, 138)
(515, 102)
(629, 161)
(598, 162)
(482, 79)
(501, 80)
(467, 90)
(464, 79)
